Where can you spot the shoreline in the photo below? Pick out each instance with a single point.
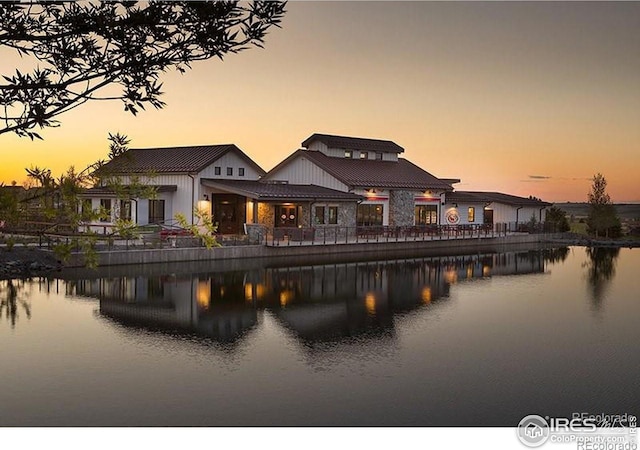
(25, 262)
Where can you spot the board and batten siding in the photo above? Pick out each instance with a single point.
(339, 152)
(180, 201)
(303, 171)
(463, 213)
(510, 214)
(233, 161)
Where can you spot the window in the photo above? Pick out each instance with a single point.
(426, 214)
(364, 155)
(125, 209)
(217, 170)
(86, 208)
(229, 171)
(318, 218)
(471, 217)
(348, 154)
(241, 171)
(156, 211)
(369, 214)
(333, 215)
(379, 156)
(105, 210)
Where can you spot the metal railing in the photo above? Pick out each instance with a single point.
(285, 236)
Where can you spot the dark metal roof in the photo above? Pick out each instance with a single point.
(354, 143)
(280, 191)
(108, 190)
(369, 173)
(493, 197)
(190, 159)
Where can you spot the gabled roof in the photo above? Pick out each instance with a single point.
(354, 143)
(191, 159)
(493, 197)
(279, 191)
(369, 173)
(109, 190)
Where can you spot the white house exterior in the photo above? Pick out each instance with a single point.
(394, 191)
(473, 207)
(175, 173)
(331, 181)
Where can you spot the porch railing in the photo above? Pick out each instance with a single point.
(285, 236)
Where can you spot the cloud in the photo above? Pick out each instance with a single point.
(539, 177)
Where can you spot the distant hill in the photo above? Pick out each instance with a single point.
(625, 210)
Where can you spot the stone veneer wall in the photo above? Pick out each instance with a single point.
(401, 208)
(266, 215)
(346, 214)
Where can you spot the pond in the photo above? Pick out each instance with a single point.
(482, 339)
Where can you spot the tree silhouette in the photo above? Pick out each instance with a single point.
(602, 218)
(82, 48)
(10, 300)
(556, 220)
(601, 268)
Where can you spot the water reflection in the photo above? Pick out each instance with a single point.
(12, 299)
(317, 304)
(601, 268)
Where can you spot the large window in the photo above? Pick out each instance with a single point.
(125, 209)
(318, 218)
(156, 211)
(370, 214)
(426, 214)
(105, 210)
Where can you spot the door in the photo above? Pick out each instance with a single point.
(228, 222)
(488, 216)
(286, 216)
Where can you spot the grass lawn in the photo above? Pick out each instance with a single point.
(579, 228)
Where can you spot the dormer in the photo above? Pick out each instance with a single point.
(353, 147)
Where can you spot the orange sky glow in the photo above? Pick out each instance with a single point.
(525, 98)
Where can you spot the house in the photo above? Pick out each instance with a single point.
(218, 179)
(394, 191)
(331, 181)
(175, 173)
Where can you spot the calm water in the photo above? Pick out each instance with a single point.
(482, 339)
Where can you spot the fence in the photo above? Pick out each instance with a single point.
(283, 236)
(51, 237)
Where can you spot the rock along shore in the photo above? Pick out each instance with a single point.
(24, 262)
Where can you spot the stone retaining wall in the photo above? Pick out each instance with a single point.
(380, 249)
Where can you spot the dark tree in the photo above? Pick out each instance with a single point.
(556, 220)
(601, 268)
(81, 48)
(603, 218)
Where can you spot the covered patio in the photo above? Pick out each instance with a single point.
(234, 204)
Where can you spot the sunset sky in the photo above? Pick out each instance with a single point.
(524, 98)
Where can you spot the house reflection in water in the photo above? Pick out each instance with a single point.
(324, 303)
